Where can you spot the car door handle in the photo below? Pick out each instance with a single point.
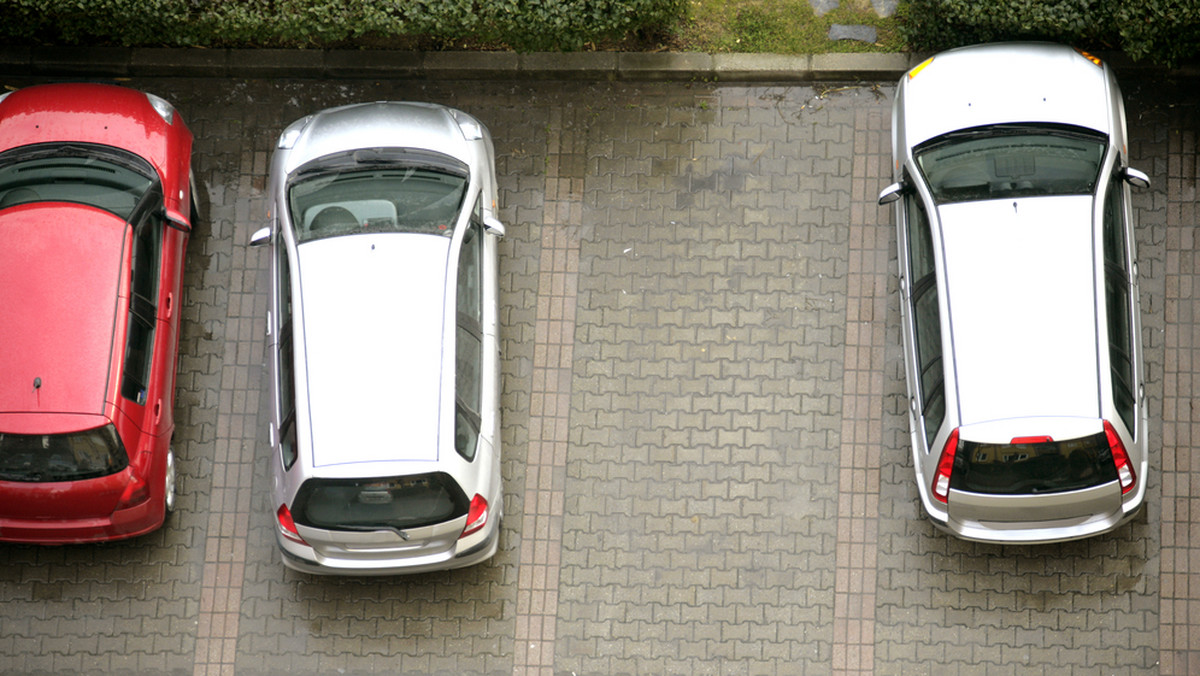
(170, 303)
(157, 411)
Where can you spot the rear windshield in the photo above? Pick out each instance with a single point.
(61, 457)
(1043, 467)
(1004, 161)
(99, 176)
(370, 504)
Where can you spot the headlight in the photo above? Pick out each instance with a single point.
(292, 134)
(165, 110)
(470, 127)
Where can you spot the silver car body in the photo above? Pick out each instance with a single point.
(370, 319)
(1019, 296)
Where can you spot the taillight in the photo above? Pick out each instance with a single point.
(1120, 458)
(477, 515)
(941, 480)
(287, 526)
(135, 493)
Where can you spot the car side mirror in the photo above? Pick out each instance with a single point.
(1135, 178)
(176, 220)
(260, 237)
(493, 225)
(891, 193)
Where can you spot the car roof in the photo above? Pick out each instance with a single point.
(374, 315)
(1021, 298)
(1002, 83)
(60, 272)
(85, 113)
(424, 126)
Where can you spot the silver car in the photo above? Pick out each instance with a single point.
(1019, 293)
(383, 345)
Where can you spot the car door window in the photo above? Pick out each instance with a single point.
(1117, 284)
(926, 316)
(469, 338)
(287, 369)
(143, 299)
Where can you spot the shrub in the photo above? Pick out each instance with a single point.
(1167, 31)
(518, 24)
(1163, 31)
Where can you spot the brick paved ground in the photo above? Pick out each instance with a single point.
(705, 447)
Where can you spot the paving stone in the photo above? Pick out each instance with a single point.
(699, 525)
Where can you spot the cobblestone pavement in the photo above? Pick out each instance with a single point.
(706, 467)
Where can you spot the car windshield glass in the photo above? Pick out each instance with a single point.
(99, 176)
(1004, 161)
(61, 457)
(376, 199)
(373, 504)
(1029, 468)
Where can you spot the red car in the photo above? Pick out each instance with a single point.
(95, 211)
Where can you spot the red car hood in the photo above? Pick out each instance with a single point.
(87, 113)
(60, 274)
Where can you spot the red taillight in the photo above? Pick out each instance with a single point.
(287, 526)
(1031, 440)
(941, 480)
(1120, 458)
(136, 492)
(477, 515)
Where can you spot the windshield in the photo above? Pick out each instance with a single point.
(99, 176)
(1001, 161)
(61, 457)
(376, 199)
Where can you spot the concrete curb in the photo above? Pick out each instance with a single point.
(359, 64)
(117, 62)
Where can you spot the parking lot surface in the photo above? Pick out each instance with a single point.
(706, 451)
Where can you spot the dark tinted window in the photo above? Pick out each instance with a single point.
(144, 275)
(920, 239)
(1023, 469)
(370, 504)
(62, 457)
(287, 368)
(468, 344)
(1117, 296)
(926, 318)
(1000, 161)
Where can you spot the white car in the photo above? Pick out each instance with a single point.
(383, 351)
(1019, 293)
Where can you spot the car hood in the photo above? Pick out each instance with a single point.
(60, 268)
(374, 309)
(88, 113)
(1005, 83)
(1022, 306)
(376, 125)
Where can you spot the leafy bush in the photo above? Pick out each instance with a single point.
(1164, 31)
(1167, 31)
(518, 24)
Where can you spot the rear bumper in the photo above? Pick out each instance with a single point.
(306, 560)
(122, 524)
(1047, 532)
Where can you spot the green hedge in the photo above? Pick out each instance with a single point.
(516, 24)
(1162, 31)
